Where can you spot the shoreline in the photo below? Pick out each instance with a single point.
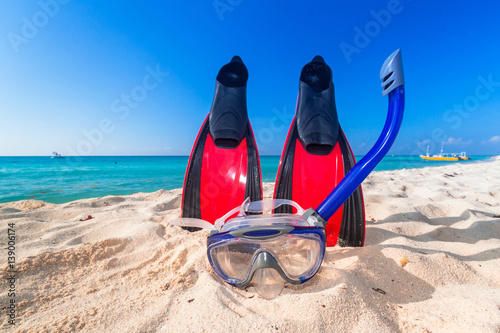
(473, 162)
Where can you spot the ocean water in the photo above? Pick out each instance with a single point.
(73, 178)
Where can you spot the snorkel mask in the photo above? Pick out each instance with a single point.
(266, 249)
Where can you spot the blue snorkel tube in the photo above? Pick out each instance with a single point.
(392, 78)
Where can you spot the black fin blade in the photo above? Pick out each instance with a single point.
(352, 229)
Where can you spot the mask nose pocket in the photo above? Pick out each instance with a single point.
(268, 283)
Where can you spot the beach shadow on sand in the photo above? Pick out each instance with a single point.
(374, 277)
(444, 229)
(373, 270)
(365, 280)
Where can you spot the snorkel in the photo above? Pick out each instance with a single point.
(267, 250)
(392, 78)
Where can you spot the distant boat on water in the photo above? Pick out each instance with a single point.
(56, 155)
(445, 156)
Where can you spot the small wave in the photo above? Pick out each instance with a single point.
(41, 192)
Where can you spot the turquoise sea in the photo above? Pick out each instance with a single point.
(72, 178)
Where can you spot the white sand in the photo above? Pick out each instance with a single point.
(128, 270)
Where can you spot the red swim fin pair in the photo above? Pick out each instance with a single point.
(224, 167)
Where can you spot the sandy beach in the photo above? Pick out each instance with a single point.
(126, 269)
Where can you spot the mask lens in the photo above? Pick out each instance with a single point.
(234, 259)
(298, 255)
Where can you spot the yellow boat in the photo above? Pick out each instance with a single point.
(445, 156)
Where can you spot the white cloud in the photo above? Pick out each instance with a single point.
(423, 143)
(362, 145)
(494, 139)
(459, 141)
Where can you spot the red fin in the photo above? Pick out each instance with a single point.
(223, 179)
(314, 176)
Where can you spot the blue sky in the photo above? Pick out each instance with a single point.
(97, 78)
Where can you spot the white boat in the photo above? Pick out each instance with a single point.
(56, 155)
